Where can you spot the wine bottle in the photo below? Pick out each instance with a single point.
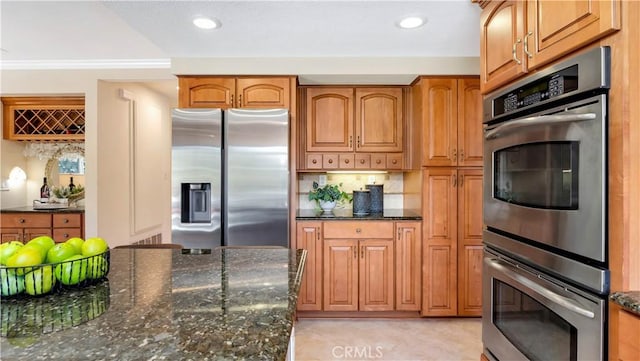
(71, 185)
(44, 191)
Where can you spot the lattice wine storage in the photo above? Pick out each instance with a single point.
(43, 118)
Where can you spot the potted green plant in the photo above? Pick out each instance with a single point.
(328, 196)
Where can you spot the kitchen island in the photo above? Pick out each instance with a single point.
(164, 305)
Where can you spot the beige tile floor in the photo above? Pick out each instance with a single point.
(426, 339)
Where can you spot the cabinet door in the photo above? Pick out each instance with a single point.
(470, 135)
(263, 93)
(340, 275)
(206, 92)
(439, 268)
(329, 119)
(502, 26)
(470, 242)
(555, 28)
(439, 143)
(10, 234)
(408, 254)
(308, 236)
(379, 119)
(30, 233)
(376, 281)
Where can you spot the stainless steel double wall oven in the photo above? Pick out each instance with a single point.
(545, 271)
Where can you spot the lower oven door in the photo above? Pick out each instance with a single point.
(532, 316)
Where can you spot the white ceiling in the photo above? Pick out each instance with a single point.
(151, 33)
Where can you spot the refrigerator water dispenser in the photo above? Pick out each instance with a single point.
(196, 203)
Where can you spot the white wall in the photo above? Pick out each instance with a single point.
(79, 82)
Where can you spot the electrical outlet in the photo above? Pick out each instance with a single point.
(371, 179)
(322, 180)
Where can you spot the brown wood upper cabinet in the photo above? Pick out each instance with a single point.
(451, 121)
(519, 36)
(367, 123)
(234, 92)
(43, 118)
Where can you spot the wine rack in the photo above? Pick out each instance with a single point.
(44, 118)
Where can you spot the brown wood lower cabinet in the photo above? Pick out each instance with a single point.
(360, 265)
(452, 242)
(624, 334)
(27, 225)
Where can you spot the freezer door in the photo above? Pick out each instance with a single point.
(256, 179)
(196, 182)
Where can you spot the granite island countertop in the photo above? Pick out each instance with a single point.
(347, 214)
(161, 304)
(29, 209)
(630, 300)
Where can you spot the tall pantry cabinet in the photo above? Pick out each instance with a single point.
(450, 110)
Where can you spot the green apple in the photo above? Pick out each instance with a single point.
(8, 249)
(10, 283)
(76, 242)
(45, 242)
(72, 270)
(98, 267)
(60, 252)
(93, 246)
(40, 281)
(25, 257)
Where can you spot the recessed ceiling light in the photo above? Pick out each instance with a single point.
(206, 23)
(411, 22)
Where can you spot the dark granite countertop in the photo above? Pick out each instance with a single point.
(347, 214)
(233, 304)
(29, 209)
(628, 300)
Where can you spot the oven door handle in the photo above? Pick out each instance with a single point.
(546, 293)
(537, 120)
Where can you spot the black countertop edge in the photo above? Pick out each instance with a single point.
(347, 214)
(29, 209)
(630, 300)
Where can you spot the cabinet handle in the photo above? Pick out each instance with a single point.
(454, 180)
(350, 141)
(240, 101)
(318, 232)
(231, 102)
(358, 230)
(361, 251)
(461, 181)
(461, 154)
(355, 252)
(399, 235)
(22, 220)
(455, 154)
(526, 45)
(330, 161)
(358, 142)
(513, 52)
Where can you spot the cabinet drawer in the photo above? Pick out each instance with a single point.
(394, 161)
(67, 220)
(363, 161)
(330, 161)
(358, 229)
(63, 234)
(314, 161)
(346, 161)
(26, 220)
(378, 161)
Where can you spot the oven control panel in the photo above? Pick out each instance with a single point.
(551, 86)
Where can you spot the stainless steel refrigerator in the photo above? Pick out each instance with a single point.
(230, 178)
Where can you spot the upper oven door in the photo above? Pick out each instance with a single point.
(544, 177)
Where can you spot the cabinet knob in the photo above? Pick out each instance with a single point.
(358, 230)
(346, 161)
(314, 161)
(330, 161)
(394, 161)
(66, 221)
(66, 235)
(378, 161)
(22, 220)
(361, 161)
